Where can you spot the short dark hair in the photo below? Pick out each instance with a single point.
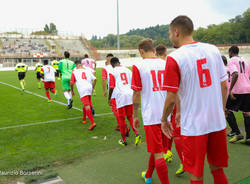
(86, 55)
(19, 60)
(160, 49)
(78, 61)
(66, 54)
(147, 45)
(109, 55)
(45, 62)
(234, 49)
(224, 60)
(184, 23)
(114, 61)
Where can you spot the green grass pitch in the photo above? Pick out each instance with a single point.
(66, 147)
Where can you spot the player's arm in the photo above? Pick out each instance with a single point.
(95, 65)
(171, 84)
(42, 73)
(111, 86)
(72, 82)
(234, 80)
(178, 112)
(224, 93)
(104, 82)
(60, 67)
(16, 68)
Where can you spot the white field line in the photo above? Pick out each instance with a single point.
(48, 122)
(35, 94)
(45, 122)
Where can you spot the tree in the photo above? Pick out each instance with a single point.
(51, 29)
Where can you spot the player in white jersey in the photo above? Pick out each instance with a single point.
(239, 98)
(48, 75)
(85, 82)
(120, 85)
(105, 85)
(147, 83)
(195, 72)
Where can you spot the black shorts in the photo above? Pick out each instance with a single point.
(38, 75)
(241, 103)
(21, 75)
(57, 73)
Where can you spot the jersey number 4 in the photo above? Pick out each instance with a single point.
(157, 84)
(84, 76)
(204, 74)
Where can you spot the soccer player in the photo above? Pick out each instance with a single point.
(196, 74)
(120, 84)
(85, 83)
(38, 75)
(21, 68)
(161, 51)
(89, 62)
(55, 65)
(232, 76)
(147, 83)
(66, 67)
(239, 94)
(48, 75)
(105, 85)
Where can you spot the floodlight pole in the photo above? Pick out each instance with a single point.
(118, 34)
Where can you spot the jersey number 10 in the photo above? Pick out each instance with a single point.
(204, 74)
(160, 76)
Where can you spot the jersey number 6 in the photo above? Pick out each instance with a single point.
(204, 74)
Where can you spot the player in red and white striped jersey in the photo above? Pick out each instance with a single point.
(85, 83)
(120, 85)
(48, 75)
(147, 83)
(195, 72)
(105, 85)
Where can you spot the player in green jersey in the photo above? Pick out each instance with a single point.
(21, 68)
(38, 74)
(55, 65)
(66, 67)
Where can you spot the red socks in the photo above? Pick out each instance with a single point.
(52, 90)
(178, 146)
(170, 142)
(196, 182)
(116, 114)
(151, 166)
(219, 176)
(47, 94)
(162, 170)
(122, 127)
(90, 116)
(83, 114)
(130, 119)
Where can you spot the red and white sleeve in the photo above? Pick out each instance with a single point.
(172, 75)
(73, 79)
(136, 79)
(111, 81)
(104, 74)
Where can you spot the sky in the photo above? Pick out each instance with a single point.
(98, 17)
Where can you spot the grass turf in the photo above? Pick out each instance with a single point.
(68, 148)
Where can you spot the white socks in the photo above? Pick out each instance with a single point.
(68, 96)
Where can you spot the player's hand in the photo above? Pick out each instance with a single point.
(167, 129)
(136, 123)
(110, 102)
(232, 95)
(105, 94)
(178, 119)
